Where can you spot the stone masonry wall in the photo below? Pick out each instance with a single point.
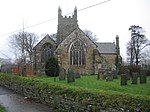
(87, 68)
(111, 59)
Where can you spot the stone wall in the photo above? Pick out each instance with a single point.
(98, 59)
(64, 48)
(110, 58)
(87, 68)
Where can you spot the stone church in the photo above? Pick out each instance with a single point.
(74, 49)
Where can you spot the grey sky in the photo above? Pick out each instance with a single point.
(106, 20)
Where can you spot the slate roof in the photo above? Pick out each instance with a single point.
(106, 48)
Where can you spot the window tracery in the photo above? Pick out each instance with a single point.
(46, 52)
(77, 53)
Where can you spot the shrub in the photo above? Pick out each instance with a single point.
(122, 69)
(134, 68)
(51, 67)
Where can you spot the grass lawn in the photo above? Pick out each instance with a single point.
(91, 83)
(2, 109)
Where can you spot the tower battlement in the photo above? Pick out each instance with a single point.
(72, 18)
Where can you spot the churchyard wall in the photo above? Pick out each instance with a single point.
(73, 99)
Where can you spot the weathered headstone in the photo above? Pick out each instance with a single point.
(123, 79)
(114, 71)
(134, 77)
(109, 76)
(114, 74)
(70, 76)
(127, 73)
(101, 74)
(77, 75)
(103, 65)
(113, 67)
(143, 76)
(62, 74)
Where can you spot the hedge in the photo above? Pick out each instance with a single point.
(66, 98)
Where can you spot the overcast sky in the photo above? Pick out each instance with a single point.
(105, 20)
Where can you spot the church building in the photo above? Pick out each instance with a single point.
(74, 49)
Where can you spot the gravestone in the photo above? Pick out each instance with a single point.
(114, 74)
(101, 74)
(70, 76)
(77, 75)
(109, 76)
(102, 71)
(143, 76)
(103, 65)
(127, 73)
(62, 74)
(134, 77)
(123, 79)
(114, 71)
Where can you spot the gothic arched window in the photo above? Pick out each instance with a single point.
(77, 53)
(46, 52)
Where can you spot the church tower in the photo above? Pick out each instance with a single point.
(66, 25)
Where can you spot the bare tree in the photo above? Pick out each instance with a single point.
(145, 58)
(137, 43)
(23, 42)
(90, 35)
(30, 40)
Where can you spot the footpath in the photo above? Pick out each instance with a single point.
(16, 103)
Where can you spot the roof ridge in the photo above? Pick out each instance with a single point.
(104, 42)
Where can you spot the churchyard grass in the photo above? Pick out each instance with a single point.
(92, 84)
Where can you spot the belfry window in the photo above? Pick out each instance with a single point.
(46, 52)
(77, 53)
